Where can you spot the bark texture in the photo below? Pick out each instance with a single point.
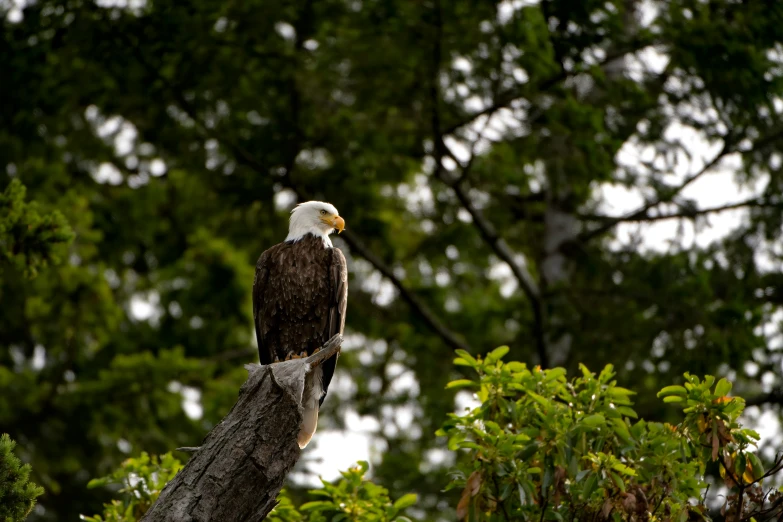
(236, 474)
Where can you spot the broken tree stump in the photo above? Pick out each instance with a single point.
(237, 472)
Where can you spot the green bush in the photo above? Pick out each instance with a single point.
(30, 239)
(353, 498)
(141, 480)
(542, 447)
(17, 493)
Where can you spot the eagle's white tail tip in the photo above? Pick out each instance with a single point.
(309, 424)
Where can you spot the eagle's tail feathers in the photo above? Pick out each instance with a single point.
(309, 423)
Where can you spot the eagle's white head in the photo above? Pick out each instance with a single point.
(314, 217)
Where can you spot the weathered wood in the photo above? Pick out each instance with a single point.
(236, 474)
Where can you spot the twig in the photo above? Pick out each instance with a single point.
(505, 99)
(590, 234)
(752, 202)
(523, 277)
(407, 295)
(641, 213)
(487, 231)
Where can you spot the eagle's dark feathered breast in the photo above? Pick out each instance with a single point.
(299, 300)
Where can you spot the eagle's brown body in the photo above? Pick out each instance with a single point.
(299, 302)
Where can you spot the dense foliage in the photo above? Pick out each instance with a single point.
(475, 149)
(543, 447)
(140, 482)
(17, 492)
(28, 238)
(539, 446)
(353, 498)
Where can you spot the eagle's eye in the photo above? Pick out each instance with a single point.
(323, 212)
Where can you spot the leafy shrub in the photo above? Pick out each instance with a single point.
(353, 498)
(542, 447)
(141, 480)
(17, 493)
(29, 239)
(547, 448)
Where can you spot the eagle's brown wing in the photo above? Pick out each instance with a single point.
(259, 286)
(338, 302)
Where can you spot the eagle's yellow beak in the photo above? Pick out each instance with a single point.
(336, 222)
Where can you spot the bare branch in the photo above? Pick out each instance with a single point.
(505, 99)
(643, 212)
(407, 295)
(502, 250)
(486, 229)
(668, 196)
(686, 214)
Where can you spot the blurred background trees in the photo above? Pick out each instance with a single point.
(586, 182)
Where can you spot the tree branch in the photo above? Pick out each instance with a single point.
(407, 295)
(670, 195)
(240, 468)
(685, 214)
(642, 213)
(505, 99)
(486, 229)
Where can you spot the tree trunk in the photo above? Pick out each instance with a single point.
(240, 468)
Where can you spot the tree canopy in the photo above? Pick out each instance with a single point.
(476, 149)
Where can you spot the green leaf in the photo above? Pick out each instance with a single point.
(723, 388)
(673, 398)
(406, 501)
(594, 420)
(617, 391)
(316, 504)
(628, 412)
(516, 367)
(493, 427)
(539, 399)
(672, 390)
(460, 383)
(606, 374)
(97, 482)
(622, 468)
(621, 429)
(554, 374)
(619, 482)
(758, 467)
(590, 485)
(459, 361)
(751, 433)
(740, 464)
(528, 451)
(497, 354)
(466, 356)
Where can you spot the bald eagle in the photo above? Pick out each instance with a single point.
(300, 294)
